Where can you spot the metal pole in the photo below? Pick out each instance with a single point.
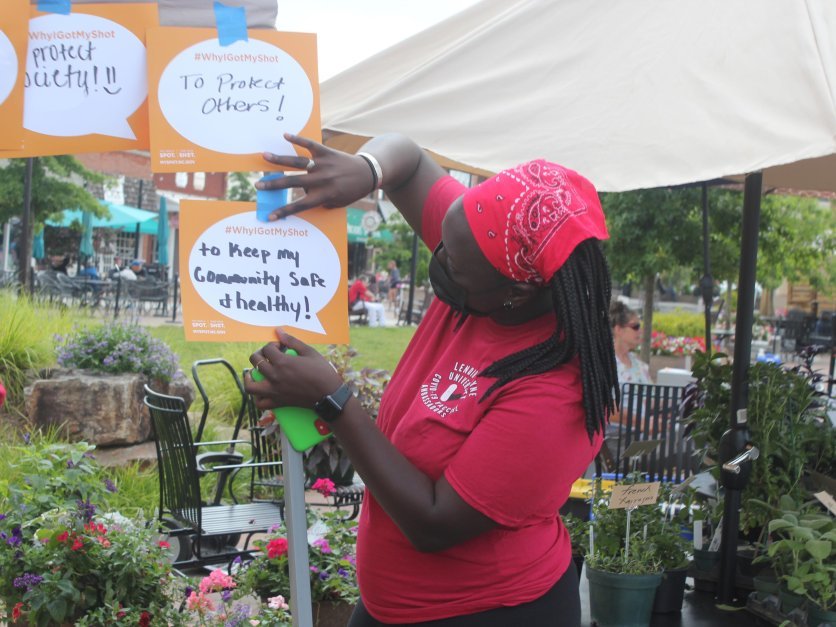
(740, 385)
(174, 300)
(412, 272)
(138, 206)
(706, 282)
(297, 535)
(118, 294)
(25, 250)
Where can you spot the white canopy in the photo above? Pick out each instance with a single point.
(631, 94)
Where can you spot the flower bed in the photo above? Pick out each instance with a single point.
(661, 344)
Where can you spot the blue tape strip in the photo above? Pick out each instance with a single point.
(267, 201)
(55, 6)
(231, 23)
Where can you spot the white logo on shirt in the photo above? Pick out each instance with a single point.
(442, 394)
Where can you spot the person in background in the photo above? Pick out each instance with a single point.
(116, 268)
(57, 263)
(498, 404)
(138, 268)
(627, 337)
(359, 298)
(89, 270)
(394, 282)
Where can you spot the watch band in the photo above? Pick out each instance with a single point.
(330, 407)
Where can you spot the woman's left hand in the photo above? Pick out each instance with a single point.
(290, 380)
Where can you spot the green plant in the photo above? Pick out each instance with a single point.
(327, 458)
(610, 552)
(117, 348)
(665, 531)
(803, 551)
(68, 562)
(679, 323)
(331, 556)
(786, 421)
(578, 533)
(26, 341)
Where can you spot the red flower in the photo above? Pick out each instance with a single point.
(16, 611)
(276, 548)
(77, 544)
(62, 537)
(164, 544)
(144, 619)
(325, 487)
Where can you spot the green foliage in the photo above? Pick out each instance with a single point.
(331, 556)
(327, 458)
(116, 348)
(785, 420)
(803, 551)
(26, 340)
(679, 323)
(610, 537)
(578, 533)
(241, 186)
(55, 187)
(67, 562)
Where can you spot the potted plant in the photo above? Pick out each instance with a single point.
(327, 459)
(578, 530)
(666, 533)
(331, 553)
(787, 422)
(803, 552)
(623, 569)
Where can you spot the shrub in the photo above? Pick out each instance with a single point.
(679, 323)
(26, 341)
(118, 348)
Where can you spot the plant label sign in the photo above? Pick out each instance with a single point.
(634, 495)
(827, 500)
(241, 278)
(85, 83)
(218, 108)
(13, 20)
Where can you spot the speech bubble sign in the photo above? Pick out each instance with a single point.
(265, 275)
(84, 74)
(236, 99)
(8, 67)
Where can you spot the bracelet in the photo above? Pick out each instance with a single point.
(377, 172)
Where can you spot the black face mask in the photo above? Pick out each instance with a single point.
(451, 293)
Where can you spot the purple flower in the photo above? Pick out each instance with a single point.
(323, 576)
(226, 595)
(16, 538)
(342, 572)
(2, 516)
(28, 581)
(27, 438)
(86, 510)
(238, 615)
(188, 591)
(70, 464)
(237, 561)
(109, 485)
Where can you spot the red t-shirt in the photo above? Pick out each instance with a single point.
(358, 291)
(513, 457)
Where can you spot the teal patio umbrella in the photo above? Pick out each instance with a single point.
(121, 216)
(162, 233)
(86, 247)
(38, 245)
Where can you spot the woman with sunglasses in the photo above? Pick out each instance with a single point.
(627, 336)
(498, 404)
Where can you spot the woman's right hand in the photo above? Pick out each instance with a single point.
(336, 179)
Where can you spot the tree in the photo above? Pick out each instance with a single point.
(58, 183)
(651, 230)
(241, 186)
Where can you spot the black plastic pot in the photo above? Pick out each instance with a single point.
(671, 592)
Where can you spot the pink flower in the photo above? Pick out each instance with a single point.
(324, 486)
(277, 603)
(216, 581)
(199, 603)
(164, 544)
(276, 548)
(322, 545)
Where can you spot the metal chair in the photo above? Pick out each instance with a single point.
(651, 412)
(182, 514)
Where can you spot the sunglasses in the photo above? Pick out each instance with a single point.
(635, 326)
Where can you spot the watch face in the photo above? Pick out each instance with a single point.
(330, 407)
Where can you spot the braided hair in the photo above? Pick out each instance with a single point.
(580, 292)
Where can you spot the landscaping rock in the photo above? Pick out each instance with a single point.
(102, 409)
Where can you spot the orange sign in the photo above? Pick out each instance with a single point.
(13, 24)
(86, 87)
(217, 108)
(241, 278)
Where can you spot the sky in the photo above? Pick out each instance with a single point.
(349, 31)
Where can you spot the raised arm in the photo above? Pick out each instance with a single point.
(336, 179)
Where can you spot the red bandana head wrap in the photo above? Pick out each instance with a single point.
(527, 220)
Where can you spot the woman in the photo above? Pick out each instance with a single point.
(627, 337)
(498, 404)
